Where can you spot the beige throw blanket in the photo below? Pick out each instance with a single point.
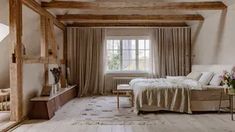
(164, 94)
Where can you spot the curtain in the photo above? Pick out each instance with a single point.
(86, 59)
(171, 51)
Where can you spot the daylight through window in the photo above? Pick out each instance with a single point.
(130, 54)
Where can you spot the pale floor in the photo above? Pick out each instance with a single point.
(165, 122)
(4, 120)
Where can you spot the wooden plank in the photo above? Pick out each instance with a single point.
(16, 65)
(52, 39)
(37, 8)
(146, 5)
(129, 18)
(157, 24)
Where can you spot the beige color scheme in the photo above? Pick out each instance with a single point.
(171, 49)
(174, 99)
(70, 118)
(4, 46)
(86, 59)
(33, 73)
(206, 78)
(194, 75)
(213, 40)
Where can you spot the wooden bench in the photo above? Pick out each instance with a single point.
(124, 88)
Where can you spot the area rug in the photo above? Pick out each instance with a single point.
(102, 110)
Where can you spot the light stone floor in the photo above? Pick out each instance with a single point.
(4, 120)
(99, 114)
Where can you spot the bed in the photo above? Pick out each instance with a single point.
(180, 94)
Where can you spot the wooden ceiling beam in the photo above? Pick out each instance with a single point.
(159, 24)
(32, 4)
(206, 5)
(129, 18)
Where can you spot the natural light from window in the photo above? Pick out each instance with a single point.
(4, 31)
(128, 54)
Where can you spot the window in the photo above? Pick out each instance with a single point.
(128, 54)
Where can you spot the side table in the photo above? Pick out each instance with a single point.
(231, 96)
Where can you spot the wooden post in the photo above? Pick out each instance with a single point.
(44, 46)
(65, 52)
(16, 59)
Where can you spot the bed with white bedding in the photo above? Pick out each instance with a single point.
(164, 94)
(178, 94)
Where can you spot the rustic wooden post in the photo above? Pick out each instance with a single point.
(16, 60)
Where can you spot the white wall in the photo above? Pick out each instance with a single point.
(4, 46)
(214, 39)
(33, 74)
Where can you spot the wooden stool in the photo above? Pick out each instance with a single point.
(125, 88)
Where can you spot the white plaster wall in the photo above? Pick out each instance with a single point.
(4, 46)
(33, 74)
(214, 39)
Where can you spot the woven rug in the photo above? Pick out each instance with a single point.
(102, 110)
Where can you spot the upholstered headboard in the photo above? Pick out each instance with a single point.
(212, 68)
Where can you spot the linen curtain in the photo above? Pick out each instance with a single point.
(171, 51)
(86, 59)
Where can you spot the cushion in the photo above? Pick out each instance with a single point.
(194, 75)
(206, 78)
(215, 81)
(175, 77)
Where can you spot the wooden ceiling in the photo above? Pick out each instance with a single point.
(120, 12)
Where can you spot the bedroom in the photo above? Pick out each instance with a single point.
(97, 46)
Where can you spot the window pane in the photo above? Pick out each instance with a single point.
(147, 54)
(141, 54)
(141, 44)
(147, 44)
(116, 44)
(109, 44)
(142, 65)
(128, 54)
(129, 65)
(113, 59)
(128, 44)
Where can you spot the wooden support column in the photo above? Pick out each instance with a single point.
(16, 60)
(65, 52)
(44, 46)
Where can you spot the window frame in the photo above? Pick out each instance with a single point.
(121, 38)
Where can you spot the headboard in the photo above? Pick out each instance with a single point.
(212, 68)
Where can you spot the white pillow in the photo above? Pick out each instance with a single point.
(215, 81)
(175, 77)
(206, 78)
(194, 75)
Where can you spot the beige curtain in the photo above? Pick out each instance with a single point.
(86, 59)
(171, 51)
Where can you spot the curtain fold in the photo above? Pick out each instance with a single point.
(171, 51)
(86, 59)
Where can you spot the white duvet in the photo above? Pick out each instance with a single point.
(165, 83)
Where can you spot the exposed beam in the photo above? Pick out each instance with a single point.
(37, 8)
(173, 24)
(209, 5)
(129, 18)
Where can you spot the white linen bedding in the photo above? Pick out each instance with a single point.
(164, 94)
